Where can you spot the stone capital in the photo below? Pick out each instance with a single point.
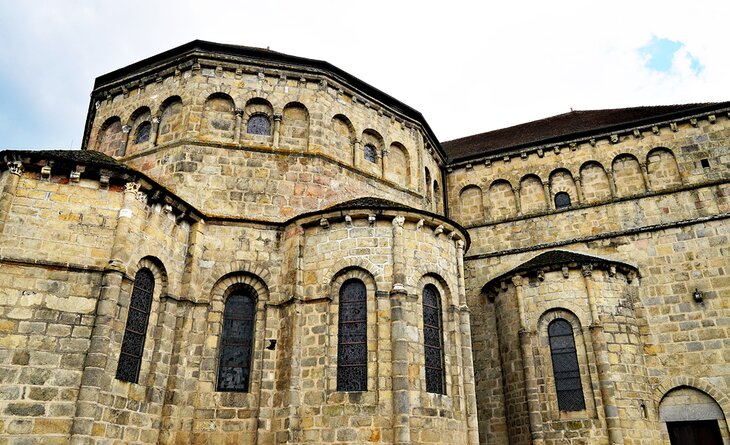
(126, 129)
(156, 120)
(398, 221)
(277, 117)
(587, 270)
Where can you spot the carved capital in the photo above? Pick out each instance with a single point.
(517, 280)
(460, 244)
(156, 120)
(398, 221)
(277, 117)
(126, 129)
(238, 111)
(587, 270)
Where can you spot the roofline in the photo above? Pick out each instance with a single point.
(700, 109)
(256, 55)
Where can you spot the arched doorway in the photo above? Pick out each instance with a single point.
(692, 417)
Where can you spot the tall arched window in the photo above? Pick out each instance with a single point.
(236, 346)
(135, 332)
(565, 366)
(433, 340)
(352, 338)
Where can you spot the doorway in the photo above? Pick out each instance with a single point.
(696, 432)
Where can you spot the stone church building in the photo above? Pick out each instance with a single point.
(257, 248)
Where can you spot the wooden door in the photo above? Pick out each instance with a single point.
(698, 432)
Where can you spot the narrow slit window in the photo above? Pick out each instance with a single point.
(352, 339)
(135, 331)
(371, 154)
(562, 200)
(259, 124)
(566, 370)
(236, 344)
(433, 340)
(143, 133)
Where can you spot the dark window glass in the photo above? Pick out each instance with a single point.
(352, 338)
(562, 200)
(236, 347)
(370, 153)
(259, 124)
(130, 357)
(433, 340)
(143, 133)
(565, 366)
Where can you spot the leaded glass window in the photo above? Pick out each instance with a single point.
(259, 124)
(130, 357)
(565, 366)
(371, 154)
(143, 133)
(562, 200)
(236, 346)
(433, 340)
(352, 338)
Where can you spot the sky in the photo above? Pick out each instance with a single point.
(467, 66)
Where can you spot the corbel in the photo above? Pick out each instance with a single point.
(468, 166)
(614, 138)
(46, 173)
(487, 162)
(323, 85)
(324, 223)
(540, 153)
(438, 230)
(573, 146)
(371, 219)
(556, 149)
(693, 122)
(419, 225)
(673, 126)
(592, 141)
(637, 133)
(712, 118)
(505, 159)
(348, 220)
(566, 271)
(523, 155)
(655, 129)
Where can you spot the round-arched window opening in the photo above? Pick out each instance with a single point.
(370, 153)
(562, 200)
(259, 124)
(143, 133)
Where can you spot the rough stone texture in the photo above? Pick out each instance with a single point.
(207, 205)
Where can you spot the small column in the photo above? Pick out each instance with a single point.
(518, 203)
(277, 129)
(645, 175)
(191, 272)
(611, 184)
(383, 153)
(466, 352)
(94, 376)
(606, 384)
(356, 153)
(528, 368)
(399, 325)
(123, 149)
(579, 190)
(8, 195)
(239, 121)
(153, 131)
(548, 199)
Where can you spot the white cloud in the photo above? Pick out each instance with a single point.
(468, 67)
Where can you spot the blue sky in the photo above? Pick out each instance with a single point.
(468, 67)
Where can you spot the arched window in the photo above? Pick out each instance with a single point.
(562, 200)
(433, 340)
(565, 366)
(371, 153)
(143, 133)
(259, 124)
(352, 338)
(135, 332)
(236, 346)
